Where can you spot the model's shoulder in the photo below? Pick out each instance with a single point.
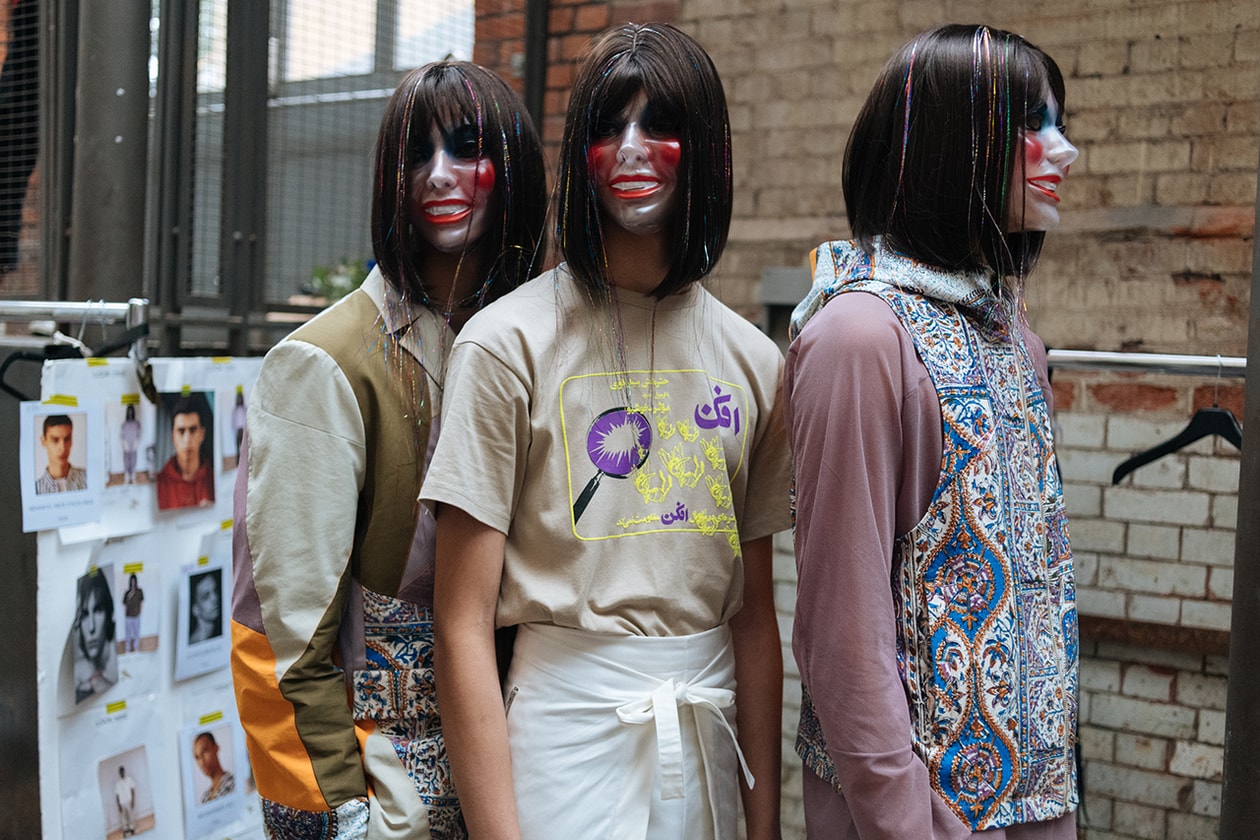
(855, 321)
(729, 319)
(350, 315)
(305, 360)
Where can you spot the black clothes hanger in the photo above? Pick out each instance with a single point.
(1206, 421)
(68, 351)
(51, 351)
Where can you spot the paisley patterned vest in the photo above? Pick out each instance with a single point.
(984, 586)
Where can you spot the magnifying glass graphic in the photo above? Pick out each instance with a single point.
(617, 443)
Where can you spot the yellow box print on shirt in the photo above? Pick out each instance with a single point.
(652, 451)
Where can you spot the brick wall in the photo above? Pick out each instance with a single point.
(1152, 734)
(1163, 100)
(1155, 578)
(1158, 547)
(1154, 255)
(500, 45)
(499, 39)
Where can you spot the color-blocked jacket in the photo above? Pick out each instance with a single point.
(332, 640)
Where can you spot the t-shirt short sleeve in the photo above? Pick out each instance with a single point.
(479, 463)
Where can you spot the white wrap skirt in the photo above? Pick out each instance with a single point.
(623, 737)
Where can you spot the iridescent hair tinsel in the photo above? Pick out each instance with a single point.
(929, 160)
(681, 82)
(451, 94)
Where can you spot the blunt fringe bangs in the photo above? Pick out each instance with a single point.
(679, 78)
(453, 93)
(929, 160)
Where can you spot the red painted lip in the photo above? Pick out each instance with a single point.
(642, 192)
(446, 218)
(1038, 185)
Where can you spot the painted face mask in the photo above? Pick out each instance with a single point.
(633, 159)
(450, 189)
(1037, 175)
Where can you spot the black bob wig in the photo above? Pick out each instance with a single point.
(680, 81)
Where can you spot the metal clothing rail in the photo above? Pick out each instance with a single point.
(134, 313)
(1232, 366)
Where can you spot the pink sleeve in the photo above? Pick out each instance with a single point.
(1037, 350)
(866, 434)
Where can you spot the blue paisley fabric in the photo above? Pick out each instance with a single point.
(396, 691)
(283, 823)
(988, 645)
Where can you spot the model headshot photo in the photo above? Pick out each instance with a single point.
(61, 462)
(202, 644)
(92, 636)
(57, 441)
(211, 758)
(186, 479)
(216, 781)
(205, 606)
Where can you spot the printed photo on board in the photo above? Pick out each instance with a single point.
(92, 636)
(233, 427)
(130, 425)
(61, 463)
(202, 643)
(212, 756)
(60, 474)
(126, 794)
(186, 450)
(205, 613)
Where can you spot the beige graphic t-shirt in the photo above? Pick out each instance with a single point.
(625, 453)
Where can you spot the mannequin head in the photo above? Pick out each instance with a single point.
(956, 154)
(653, 85)
(633, 161)
(457, 123)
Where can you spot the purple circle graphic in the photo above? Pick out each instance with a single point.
(618, 441)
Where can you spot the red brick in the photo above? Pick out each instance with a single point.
(1133, 397)
(496, 55)
(555, 101)
(592, 18)
(570, 46)
(1225, 396)
(560, 20)
(485, 8)
(640, 12)
(561, 75)
(485, 54)
(1064, 394)
(515, 82)
(552, 132)
(501, 27)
